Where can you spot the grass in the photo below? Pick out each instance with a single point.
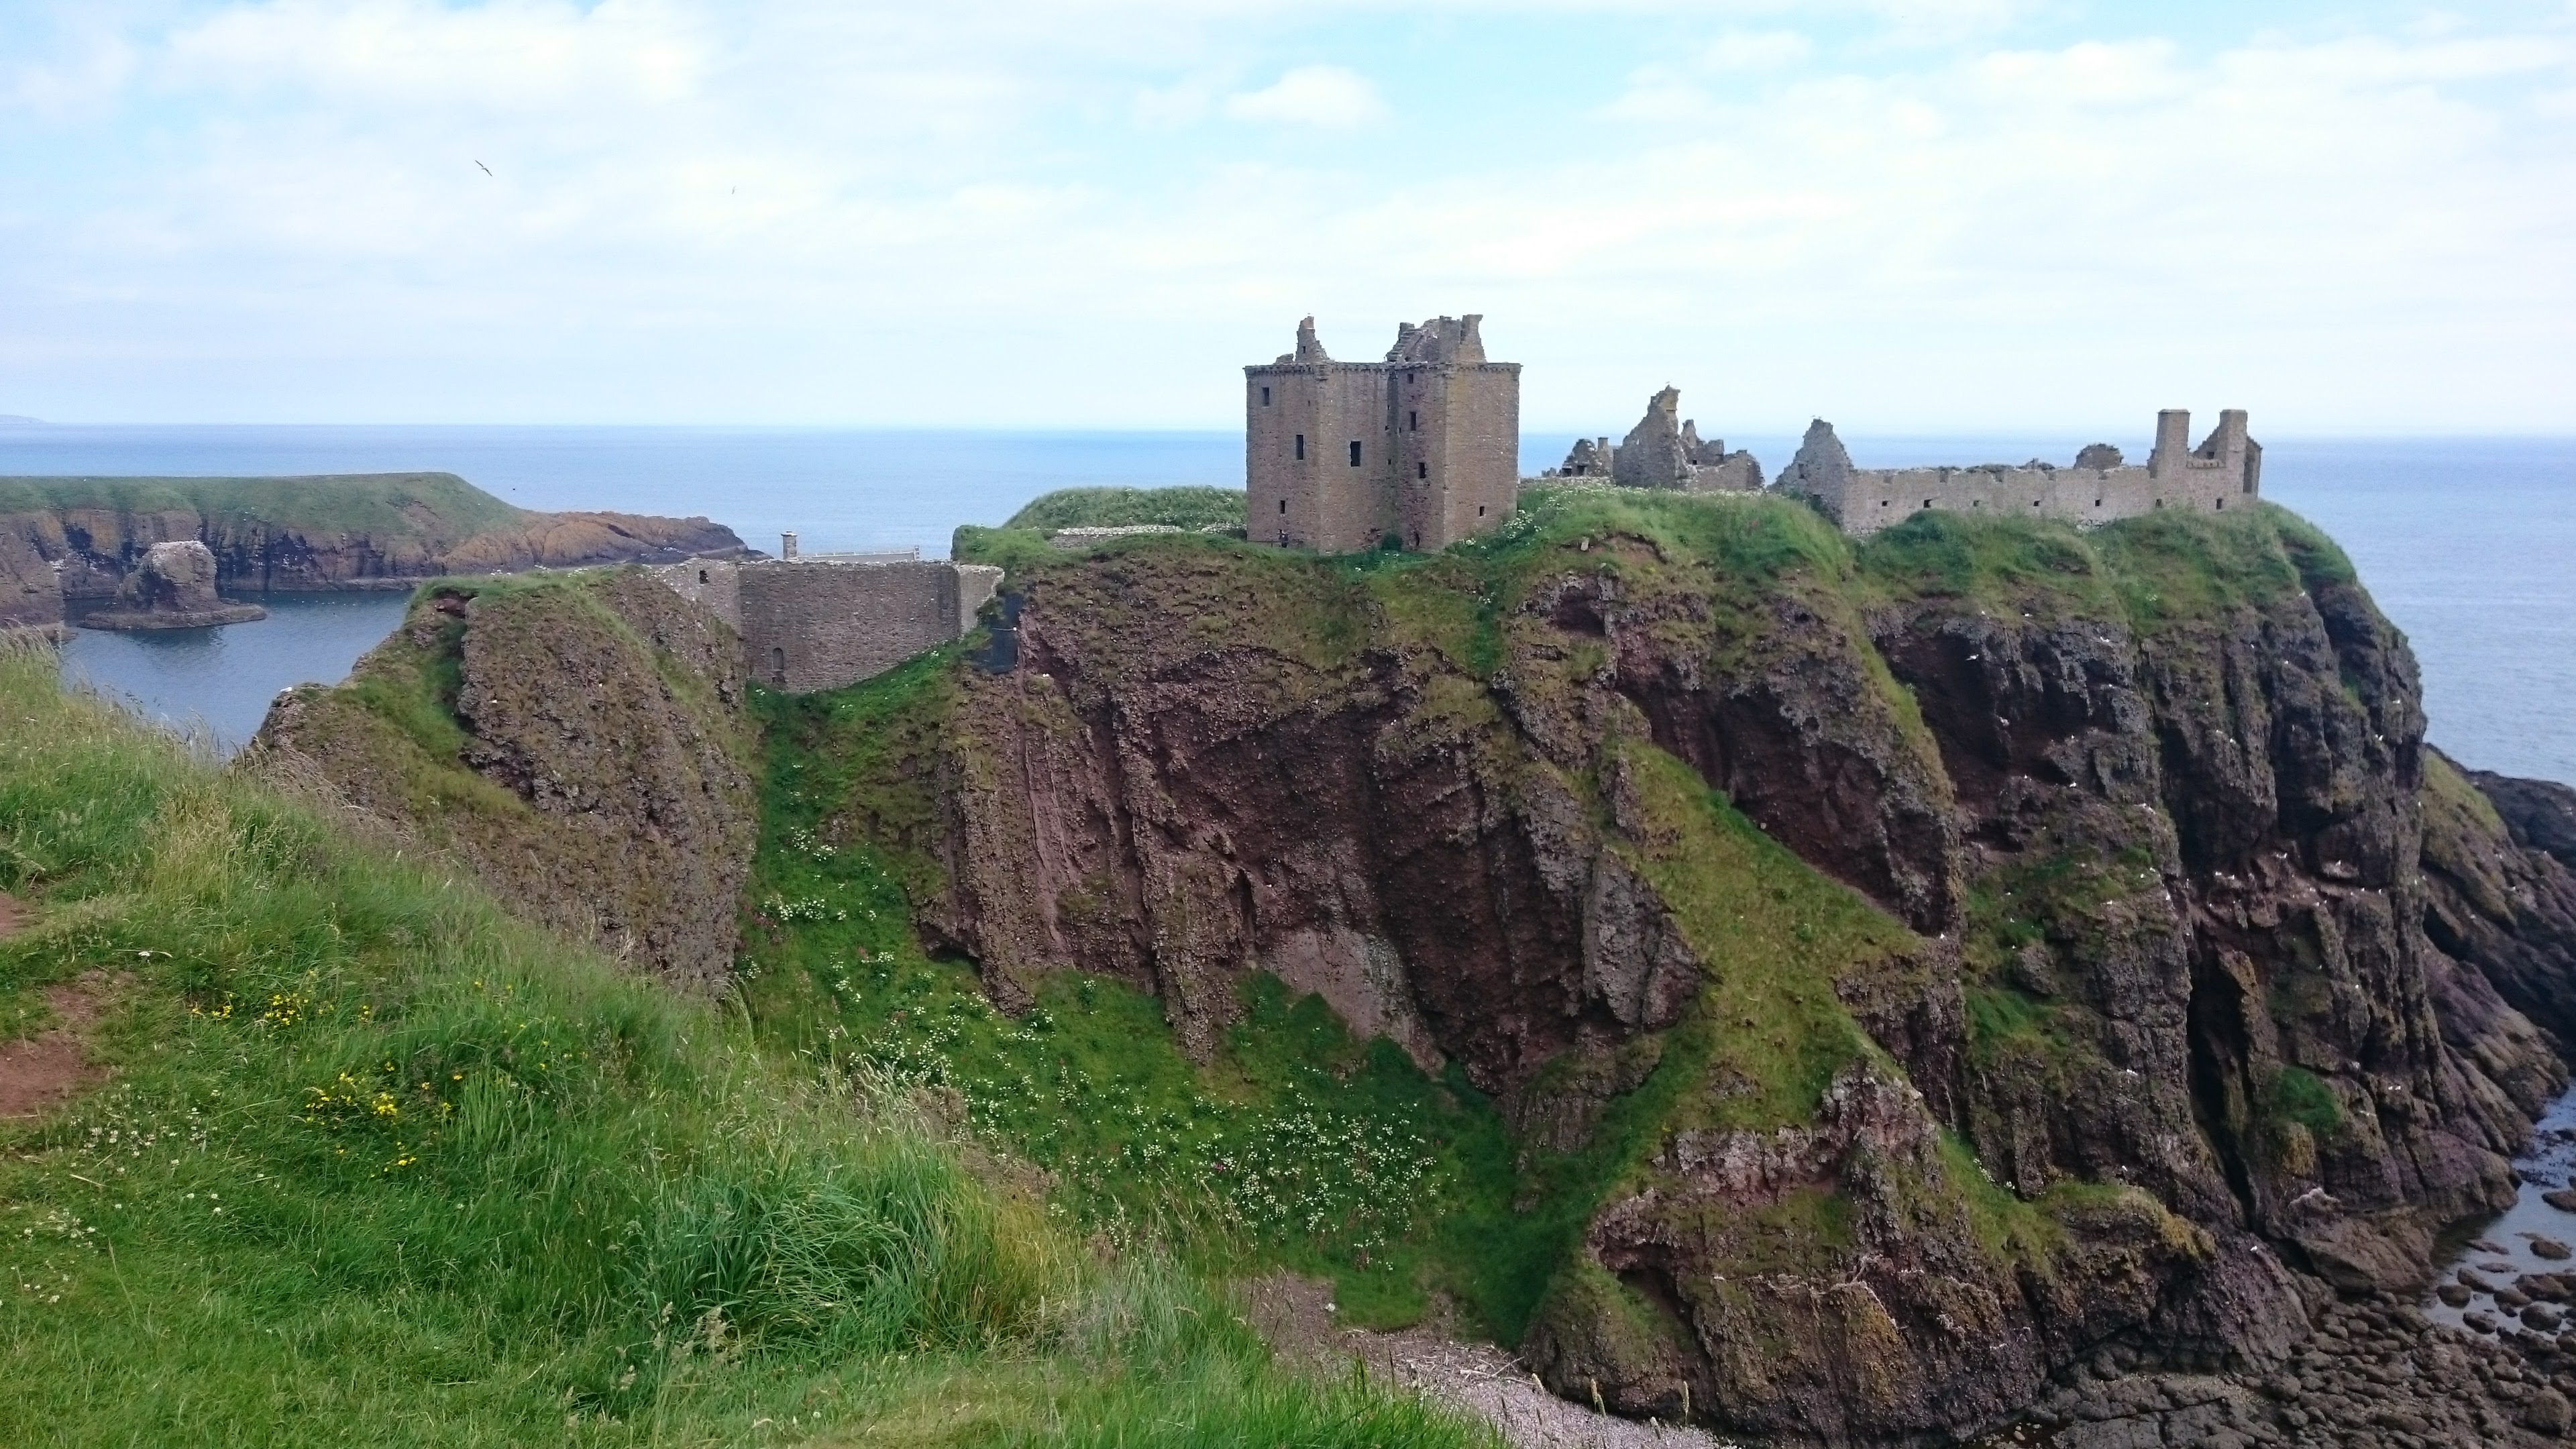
(380, 1165)
(1300, 1147)
(386, 505)
(1187, 507)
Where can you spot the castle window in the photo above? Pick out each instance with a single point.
(1301, 447)
(1480, 510)
(1355, 452)
(1265, 397)
(1927, 502)
(702, 576)
(1283, 505)
(1413, 422)
(1421, 470)
(2221, 504)
(778, 666)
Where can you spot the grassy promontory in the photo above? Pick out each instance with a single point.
(370, 1162)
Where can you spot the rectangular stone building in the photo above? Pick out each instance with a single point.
(1424, 445)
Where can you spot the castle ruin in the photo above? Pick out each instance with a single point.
(2226, 468)
(823, 621)
(1423, 446)
(1664, 451)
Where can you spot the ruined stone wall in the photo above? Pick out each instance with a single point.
(823, 623)
(2225, 471)
(713, 584)
(818, 625)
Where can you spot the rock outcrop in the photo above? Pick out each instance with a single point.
(172, 588)
(578, 744)
(2018, 957)
(31, 597)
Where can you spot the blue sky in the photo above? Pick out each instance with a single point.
(1908, 215)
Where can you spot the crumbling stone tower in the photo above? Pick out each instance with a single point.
(1424, 445)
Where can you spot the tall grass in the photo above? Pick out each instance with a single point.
(380, 1165)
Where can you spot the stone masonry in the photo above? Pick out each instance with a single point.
(825, 621)
(1664, 450)
(1424, 445)
(2226, 468)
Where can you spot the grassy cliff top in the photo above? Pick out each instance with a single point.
(1188, 507)
(385, 504)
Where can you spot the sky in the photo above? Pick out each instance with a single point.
(1906, 215)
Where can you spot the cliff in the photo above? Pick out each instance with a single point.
(1914, 963)
(576, 742)
(80, 538)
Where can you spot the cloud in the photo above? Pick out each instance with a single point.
(1329, 96)
(792, 210)
(1755, 50)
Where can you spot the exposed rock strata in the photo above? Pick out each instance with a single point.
(588, 761)
(2153, 875)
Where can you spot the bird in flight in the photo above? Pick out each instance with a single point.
(487, 170)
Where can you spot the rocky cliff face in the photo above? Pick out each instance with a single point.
(577, 743)
(1997, 942)
(323, 533)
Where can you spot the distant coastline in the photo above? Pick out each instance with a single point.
(20, 420)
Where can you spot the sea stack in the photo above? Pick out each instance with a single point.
(173, 589)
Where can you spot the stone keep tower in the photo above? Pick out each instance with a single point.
(1424, 445)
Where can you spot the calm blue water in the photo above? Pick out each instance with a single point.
(2466, 543)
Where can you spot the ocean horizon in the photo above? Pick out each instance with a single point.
(2463, 541)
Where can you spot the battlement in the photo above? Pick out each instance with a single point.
(823, 621)
(1423, 445)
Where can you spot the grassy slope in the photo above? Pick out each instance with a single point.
(383, 504)
(379, 1165)
(1021, 540)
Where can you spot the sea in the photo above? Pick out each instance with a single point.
(2468, 543)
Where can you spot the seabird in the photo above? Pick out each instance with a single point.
(487, 170)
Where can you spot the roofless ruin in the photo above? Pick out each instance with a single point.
(1424, 446)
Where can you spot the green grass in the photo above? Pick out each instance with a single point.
(1299, 1147)
(387, 505)
(379, 1165)
(1186, 507)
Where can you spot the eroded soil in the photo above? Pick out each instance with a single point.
(40, 1071)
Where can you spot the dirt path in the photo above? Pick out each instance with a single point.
(37, 1072)
(1296, 1315)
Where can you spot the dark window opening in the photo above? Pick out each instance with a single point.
(2222, 504)
(2097, 502)
(1927, 502)
(778, 666)
(2034, 503)
(1421, 470)
(702, 576)
(1301, 447)
(1283, 505)
(1480, 510)
(1355, 452)
(2160, 503)
(1265, 397)
(1413, 422)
